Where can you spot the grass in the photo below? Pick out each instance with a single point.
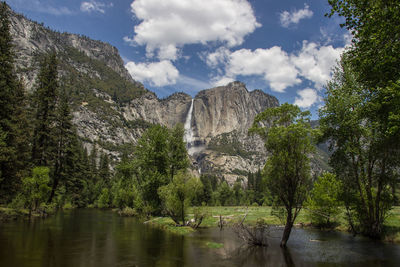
(214, 245)
(392, 226)
(235, 214)
(168, 224)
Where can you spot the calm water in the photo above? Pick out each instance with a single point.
(102, 238)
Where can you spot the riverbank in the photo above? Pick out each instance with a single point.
(7, 214)
(231, 215)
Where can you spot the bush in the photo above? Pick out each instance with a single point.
(18, 202)
(104, 199)
(128, 212)
(36, 189)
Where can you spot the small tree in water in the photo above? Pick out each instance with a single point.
(288, 137)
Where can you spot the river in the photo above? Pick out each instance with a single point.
(89, 237)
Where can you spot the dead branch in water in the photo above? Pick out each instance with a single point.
(253, 235)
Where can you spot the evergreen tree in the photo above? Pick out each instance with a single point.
(65, 140)
(92, 179)
(13, 160)
(43, 152)
(104, 171)
(178, 158)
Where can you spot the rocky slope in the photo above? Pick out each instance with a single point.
(113, 110)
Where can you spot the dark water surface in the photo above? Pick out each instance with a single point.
(102, 238)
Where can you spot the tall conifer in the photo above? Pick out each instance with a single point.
(45, 99)
(13, 139)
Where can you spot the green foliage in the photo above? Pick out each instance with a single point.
(323, 203)
(45, 99)
(177, 154)
(36, 189)
(177, 196)
(128, 212)
(361, 124)
(374, 53)
(104, 200)
(14, 134)
(256, 188)
(121, 89)
(159, 154)
(224, 194)
(288, 138)
(214, 245)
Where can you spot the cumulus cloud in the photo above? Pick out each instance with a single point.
(273, 64)
(315, 62)
(287, 18)
(221, 81)
(94, 6)
(307, 98)
(168, 25)
(157, 73)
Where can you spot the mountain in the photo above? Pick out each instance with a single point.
(112, 110)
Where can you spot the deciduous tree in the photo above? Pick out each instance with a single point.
(288, 138)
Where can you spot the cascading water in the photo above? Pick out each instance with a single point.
(189, 135)
(188, 127)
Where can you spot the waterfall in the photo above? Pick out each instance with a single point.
(188, 127)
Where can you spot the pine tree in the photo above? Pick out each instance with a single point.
(64, 137)
(77, 172)
(45, 99)
(13, 137)
(178, 159)
(104, 170)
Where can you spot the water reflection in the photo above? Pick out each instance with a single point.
(102, 238)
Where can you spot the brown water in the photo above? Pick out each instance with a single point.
(102, 238)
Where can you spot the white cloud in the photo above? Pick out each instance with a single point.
(168, 25)
(288, 18)
(315, 62)
(94, 6)
(272, 63)
(308, 97)
(279, 69)
(221, 81)
(157, 73)
(220, 56)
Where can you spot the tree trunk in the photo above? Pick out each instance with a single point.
(53, 190)
(288, 228)
(183, 213)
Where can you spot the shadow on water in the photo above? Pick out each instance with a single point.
(102, 238)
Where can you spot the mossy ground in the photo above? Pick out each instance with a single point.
(168, 224)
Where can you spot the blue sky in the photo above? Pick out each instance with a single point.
(286, 48)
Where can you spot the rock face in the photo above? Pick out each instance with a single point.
(220, 120)
(168, 111)
(113, 110)
(228, 108)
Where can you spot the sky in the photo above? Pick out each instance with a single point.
(286, 48)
